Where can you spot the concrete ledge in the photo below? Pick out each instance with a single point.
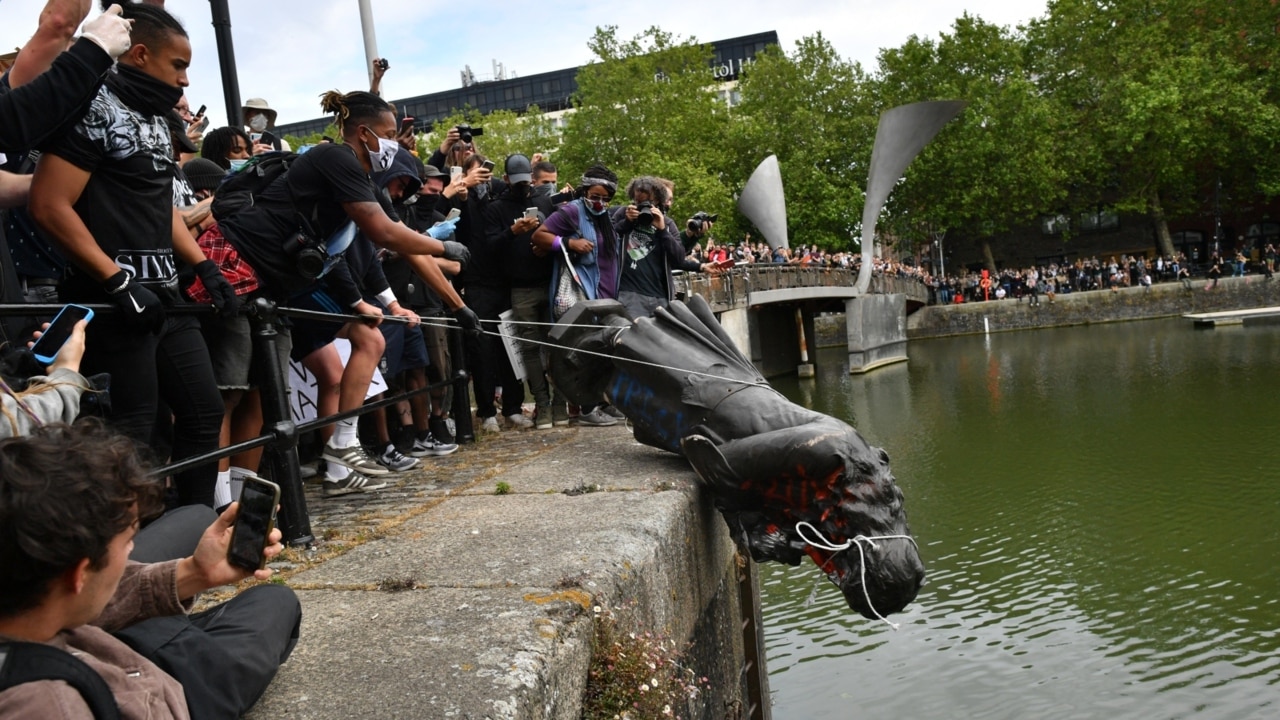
(486, 606)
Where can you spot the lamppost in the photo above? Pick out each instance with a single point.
(227, 61)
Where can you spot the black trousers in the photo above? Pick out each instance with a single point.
(487, 357)
(225, 657)
(173, 365)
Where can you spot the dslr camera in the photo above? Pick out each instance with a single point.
(466, 132)
(700, 220)
(308, 254)
(382, 64)
(646, 213)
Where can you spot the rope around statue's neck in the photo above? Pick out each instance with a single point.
(822, 543)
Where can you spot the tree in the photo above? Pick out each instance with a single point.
(1169, 97)
(648, 106)
(812, 109)
(505, 133)
(998, 164)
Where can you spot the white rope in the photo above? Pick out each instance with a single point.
(824, 544)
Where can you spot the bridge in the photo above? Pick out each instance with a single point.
(761, 304)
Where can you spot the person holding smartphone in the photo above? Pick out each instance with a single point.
(29, 401)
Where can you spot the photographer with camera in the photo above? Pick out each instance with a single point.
(648, 249)
(695, 229)
(458, 145)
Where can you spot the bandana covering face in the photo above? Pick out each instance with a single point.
(141, 92)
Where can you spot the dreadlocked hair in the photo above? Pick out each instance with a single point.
(152, 25)
(354, 108)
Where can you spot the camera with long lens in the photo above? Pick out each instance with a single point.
(307, 254)
(700, 220)
(466, 132)
(646, 213)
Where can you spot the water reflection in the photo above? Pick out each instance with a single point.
(1097, 508)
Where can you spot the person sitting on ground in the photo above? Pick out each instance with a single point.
(71, 501)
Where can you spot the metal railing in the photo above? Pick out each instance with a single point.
(732, 289)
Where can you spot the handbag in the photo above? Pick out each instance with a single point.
(569, 290)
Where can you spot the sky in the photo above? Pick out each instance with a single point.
(290, 51)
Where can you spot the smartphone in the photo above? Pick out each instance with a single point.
(455, 172)
(201, 110)
(531, 213)
(51, 340)
(726, 263)
(454, 214)
(254, 523)
(405, 124)
(267, 139)
(487, 165)
(202, 124)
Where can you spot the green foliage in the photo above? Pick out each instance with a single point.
(995, 166)
(297, 141)
(813, 110)
(502, 488)
(648, 106)
(505, 132)
(636, 675)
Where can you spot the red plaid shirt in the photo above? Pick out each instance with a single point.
(237, 271)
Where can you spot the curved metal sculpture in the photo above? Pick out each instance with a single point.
(770, 465)
(901, 135)
(764, 203)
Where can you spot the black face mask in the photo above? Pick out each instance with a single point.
(141, 92)
(543, 189)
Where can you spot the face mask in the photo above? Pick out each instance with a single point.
(386, 152)
(595, 207)
(237, 164)
(258, 123)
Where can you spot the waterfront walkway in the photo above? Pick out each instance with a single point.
(438, 598)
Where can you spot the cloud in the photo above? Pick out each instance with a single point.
(289, 51)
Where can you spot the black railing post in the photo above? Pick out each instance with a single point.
(282, 452)
(463, 429)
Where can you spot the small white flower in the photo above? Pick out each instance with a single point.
(644, 687)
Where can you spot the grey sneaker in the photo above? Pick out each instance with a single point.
(353, 457)
(395, 461)
(429, 445)
(354, 482)
(613, 412)
(519, 421)
(597, 418)
(542, 417)
(559, 415)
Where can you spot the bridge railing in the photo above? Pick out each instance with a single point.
(732, 289)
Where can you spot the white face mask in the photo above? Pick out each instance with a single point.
(258, 123)
(382, 157)
(237, 164)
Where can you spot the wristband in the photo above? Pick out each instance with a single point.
(555, 244)
(386, 297)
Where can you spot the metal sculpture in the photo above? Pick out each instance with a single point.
(763, 202)
(789, 481)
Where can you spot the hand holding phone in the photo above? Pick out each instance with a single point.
(531, 213)
(255, 520)
(487, 165)
(268, 139)
(50, 342)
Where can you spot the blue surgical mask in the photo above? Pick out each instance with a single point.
(237, 164)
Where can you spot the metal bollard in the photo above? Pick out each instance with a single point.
(463, 430)
(282, 454)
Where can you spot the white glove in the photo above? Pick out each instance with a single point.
(110, 32)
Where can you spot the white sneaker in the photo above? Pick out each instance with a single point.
(519, 421)
(490, 425)
(395, 461)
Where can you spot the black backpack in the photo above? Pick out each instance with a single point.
(240, 189)
(24, 662)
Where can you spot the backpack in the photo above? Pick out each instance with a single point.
(24, 662)
(240, 189)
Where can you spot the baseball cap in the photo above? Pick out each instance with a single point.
(518, 169)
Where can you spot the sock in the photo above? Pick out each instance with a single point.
(334, 471)
(237, 480)
(222, 495)
(344, 434)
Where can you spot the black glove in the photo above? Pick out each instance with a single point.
(468, 320)
(138, 306)
(224, 297)
(456, 251)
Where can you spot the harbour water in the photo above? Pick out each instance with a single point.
(1098, 509)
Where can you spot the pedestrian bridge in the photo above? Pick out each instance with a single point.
(769, 311)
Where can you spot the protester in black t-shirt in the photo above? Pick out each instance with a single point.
(104, 194)
(328, 189)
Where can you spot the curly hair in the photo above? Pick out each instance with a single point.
(217, 145)
(65, 492)
(653, 186)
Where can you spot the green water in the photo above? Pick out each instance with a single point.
(1099, 511)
